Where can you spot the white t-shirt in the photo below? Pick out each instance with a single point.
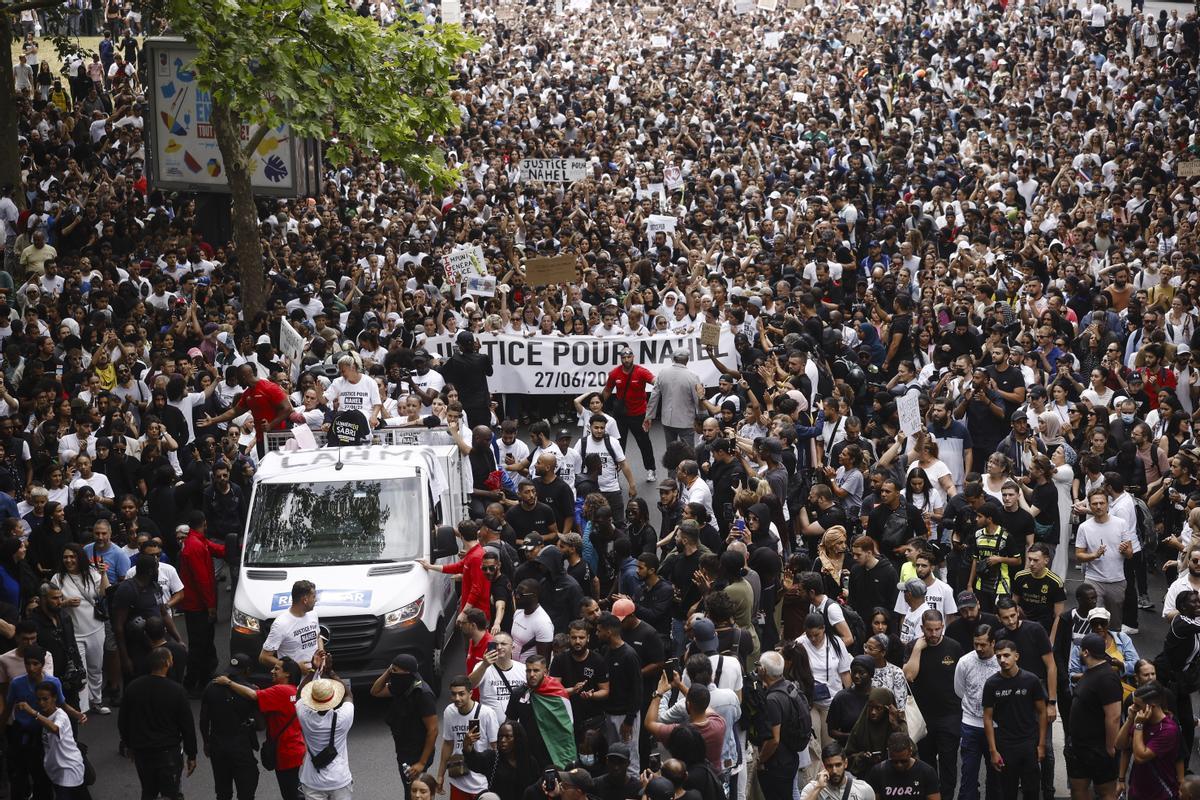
(610, 462)
(731, 673)
(528, 631)
(185, 405)
(98, 482)
(430, 380)
(938, 596)
(519, 452)
(294, 637)
(910, 628)
(828, 663)
(169, 582)
(610, 424)
(494, 691)
(362, 396)
(316, 728)
(62, 759)
(1110, 567)
(454, 729)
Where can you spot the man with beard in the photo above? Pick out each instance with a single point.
(583, 675)
(953, 440)
(554, 492)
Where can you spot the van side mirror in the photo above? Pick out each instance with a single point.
(445, 542)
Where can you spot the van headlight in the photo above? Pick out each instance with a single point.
(244, 623)
(405, 615)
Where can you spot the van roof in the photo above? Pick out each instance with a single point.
(320, 464)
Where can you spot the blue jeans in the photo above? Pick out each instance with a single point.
(974, 749)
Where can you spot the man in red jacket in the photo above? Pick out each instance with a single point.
(199, 603)
(476, 588)
(629, 383)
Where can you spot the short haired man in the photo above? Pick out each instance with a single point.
(834, 781)
(902, 774)
(1015, 720)
(1095, 721)
(296, 633)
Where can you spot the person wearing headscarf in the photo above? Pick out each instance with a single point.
(867, 745)
(848, 704)
(868, 337)
(1050, 427)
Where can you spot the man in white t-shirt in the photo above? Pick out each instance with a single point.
(912, 594)
(465, 723)
(532, 630)
(354, 391)
(938, 594)
(598, 442)
(427, 383)
(296, 633)
(514, 454)
(325, 719)
(497, 676)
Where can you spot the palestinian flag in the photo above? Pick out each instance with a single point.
(552, 710)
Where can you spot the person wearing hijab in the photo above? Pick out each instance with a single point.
(849, 703)
(868, 337)
(867, 744)
(1050, 427)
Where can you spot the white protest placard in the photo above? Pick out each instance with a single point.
(1187, 169)
(452, 12)
(464, 262)
(772, 40)
(659, 42)
(672, 177)
(291, 343)
(614, 82)
(741, 7)
(767, 5)
(480, 285)
(554, 170)
(581, 5)
(506, 13)
(659, 222)
(908, 406)
(651, 12)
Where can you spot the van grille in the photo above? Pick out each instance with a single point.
(351, 637)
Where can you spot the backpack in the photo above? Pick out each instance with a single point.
(1146, 533)
(754, 710)
(858, 628)
(794, 734)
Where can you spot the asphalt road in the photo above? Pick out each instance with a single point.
(372, 758)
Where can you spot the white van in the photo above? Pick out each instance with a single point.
(354, 520)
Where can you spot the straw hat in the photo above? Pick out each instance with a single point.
(323, 694)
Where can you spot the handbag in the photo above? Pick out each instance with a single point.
(328, 753)
(270, 751)
(915, 720)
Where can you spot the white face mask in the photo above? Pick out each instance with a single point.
(587, 759)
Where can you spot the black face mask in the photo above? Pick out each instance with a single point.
(400, 684)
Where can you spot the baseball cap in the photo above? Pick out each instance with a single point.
(224, 338)
(668, 485)
(563, 433)
(579, 778)
(195, 352)
(705, 635)
(1099, 613)
(531, 541)
(659, 788)
(914, 586)
(238, 662)
(967, 600)
(619, 750)
(406, 662)
(329, 285)
(623, 608)
(1094, 645)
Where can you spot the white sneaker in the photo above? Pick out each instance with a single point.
(650, 476)
(1128, 631)
(103, 711)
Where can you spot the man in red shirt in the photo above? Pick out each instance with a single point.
(630, 384)
(199, 603)
(278, 706)
(266, 402)
(476, 588)
(475, 630)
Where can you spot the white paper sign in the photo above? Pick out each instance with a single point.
(659, 222)
(659, 42)
(463, 263)
(767, 5)
(741, 7)
(772, 40)
(291, 343)
(672, 177)
(581, 5)
(452, 12)
(909, 408)
(554, 170)
(480, 285)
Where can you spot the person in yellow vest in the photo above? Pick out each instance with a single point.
(996, 557)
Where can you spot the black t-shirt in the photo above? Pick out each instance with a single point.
(1007, 381)
(558, 496)
(1038, 596)
(406, 715)
(901, 324)
(962, 630)
(780, 710)
(1012, 700)
(919, 780)
(502, 590)
(624, 681)
(679, 569)
(1045, 497)
(1032, 643)
(591, 672)
(1098, 687)
(1019, 525)
(931, 688)
(535, 520)
(144, 602)
(582, 573)
(648, 645)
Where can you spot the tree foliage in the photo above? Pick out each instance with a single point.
(329, 73)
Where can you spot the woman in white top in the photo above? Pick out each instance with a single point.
(1060, 402)
(83, 586)
(924, 495)
(1098, 393)
(588, 405)
(61, 756)
(1063, 477)
(997, 470)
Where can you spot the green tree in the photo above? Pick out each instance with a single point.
(329, 73)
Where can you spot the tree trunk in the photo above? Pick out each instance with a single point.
(246, 241)
(10, 159)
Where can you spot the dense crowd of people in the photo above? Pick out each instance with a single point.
(955, 244)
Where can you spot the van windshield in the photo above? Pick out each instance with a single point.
(339, 522)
